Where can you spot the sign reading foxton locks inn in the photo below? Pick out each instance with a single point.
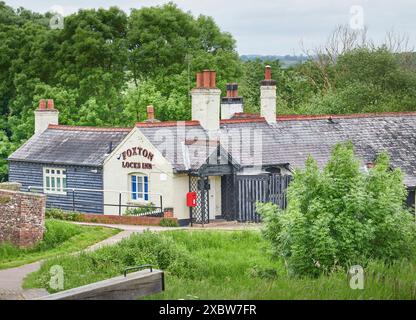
(136, 151)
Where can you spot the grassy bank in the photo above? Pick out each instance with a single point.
(224, 265)
(60, 238)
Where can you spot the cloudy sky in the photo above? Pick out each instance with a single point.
(274, 26)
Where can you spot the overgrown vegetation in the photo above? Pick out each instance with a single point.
(59, 214)
(147, 248)
(225, 265)
(168, 222)
(59, 238)
(341, 216)
(139, 211)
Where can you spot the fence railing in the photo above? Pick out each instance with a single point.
(96, 201)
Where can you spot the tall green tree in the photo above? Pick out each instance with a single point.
(160, 38)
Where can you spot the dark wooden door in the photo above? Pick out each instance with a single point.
(228, 197)
(259, 188)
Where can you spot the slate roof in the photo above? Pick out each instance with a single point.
(171, 140)
(370, 136)
(66, 145)
(292, 140)
(249, 140)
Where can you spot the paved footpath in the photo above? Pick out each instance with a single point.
(11, 279)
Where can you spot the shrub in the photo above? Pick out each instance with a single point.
(168, 222)
(60, 214)
(341, 216)
(139, 249)
(57, 232)
(139, 211)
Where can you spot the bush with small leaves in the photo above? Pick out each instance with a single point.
(340, 216)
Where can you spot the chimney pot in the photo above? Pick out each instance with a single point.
(206, 78)
(235, 90)
(51, 104)
(150, 112)
(199, 80)
(45, 115)
(212, 82)
(42, 104)
(232, 90)
(268, 73)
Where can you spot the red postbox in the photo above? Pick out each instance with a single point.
(191, 199)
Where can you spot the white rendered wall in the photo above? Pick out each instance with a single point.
(162, 180)
(206, 107)
(229, 109)
(43, 118)
(268, 103)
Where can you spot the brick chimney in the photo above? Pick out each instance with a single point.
(151, 114)
(206, 101)
(45, 115)
(232, 103)
(268, 97)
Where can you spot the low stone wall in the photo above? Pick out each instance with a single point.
(22, 217)
(12, 186)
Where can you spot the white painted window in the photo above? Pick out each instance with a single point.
(54, 180)
(139, 187)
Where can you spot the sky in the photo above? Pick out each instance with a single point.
(274, 27)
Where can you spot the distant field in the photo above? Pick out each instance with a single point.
(224, 265)
(286, 60)
(60, 238)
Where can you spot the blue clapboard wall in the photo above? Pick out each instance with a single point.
(78, 177)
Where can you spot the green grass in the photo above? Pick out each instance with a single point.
(223, 265)
(60, 238)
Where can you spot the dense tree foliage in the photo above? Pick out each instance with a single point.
(361, 80)
(341, 216)
(105, 66)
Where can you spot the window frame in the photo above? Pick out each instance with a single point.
(51, 177)
(134, 186)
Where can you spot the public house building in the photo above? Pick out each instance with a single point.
(226, 158)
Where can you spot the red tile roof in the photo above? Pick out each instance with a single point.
(242, 117)
(85, 128)
(243, 120)
(343, 116)
(237, 118)
(167, 124)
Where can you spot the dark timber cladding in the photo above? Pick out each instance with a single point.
(264, 188)
(78, 177)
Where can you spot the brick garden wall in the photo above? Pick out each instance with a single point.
(22, 217)
(129, 220)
